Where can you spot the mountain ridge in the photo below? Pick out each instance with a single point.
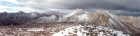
(101, 17)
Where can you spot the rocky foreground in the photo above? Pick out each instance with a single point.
(89, 30)
(33, 29)
(59, 29)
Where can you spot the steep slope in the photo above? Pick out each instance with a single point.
(134, 20)
(104, 18)
(77, 15)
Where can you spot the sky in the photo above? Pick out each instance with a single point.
(119, 7)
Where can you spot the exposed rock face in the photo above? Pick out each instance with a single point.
(104, 18)
(99, 18)
(135, 21)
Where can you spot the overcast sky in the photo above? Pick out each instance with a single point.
(119, 7)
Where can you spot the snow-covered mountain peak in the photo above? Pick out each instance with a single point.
(104, 12)
(34, 13)
(77, 15)
(78, 11)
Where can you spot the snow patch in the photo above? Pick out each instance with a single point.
(35, 29)
(83, 18)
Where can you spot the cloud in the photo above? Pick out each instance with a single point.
(15, 6)
(123, 12)
(124, 6)
(11, 1)
(16, 9)
(120, 7)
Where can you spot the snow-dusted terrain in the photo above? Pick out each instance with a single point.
(89, 30)
(103, 23)
(77, 15)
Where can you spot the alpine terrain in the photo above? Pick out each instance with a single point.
(76, 23)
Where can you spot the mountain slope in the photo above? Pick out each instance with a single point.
(101, 17)
(77, 15)
(104, 18)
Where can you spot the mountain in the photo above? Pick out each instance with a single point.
(77, 15)
(46, 19)
(102, 18)
(13, 18)
(135, 21)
